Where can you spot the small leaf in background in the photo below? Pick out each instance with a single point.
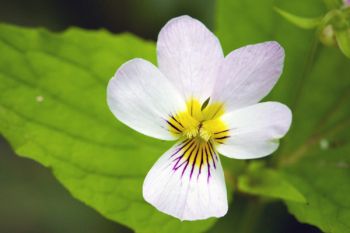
(327, 36)
(340, 22)
(333, 28)
(302, 22)
(343, 40)
(268, 182)
(333, 4)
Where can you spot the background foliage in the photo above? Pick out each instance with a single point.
(52, 110)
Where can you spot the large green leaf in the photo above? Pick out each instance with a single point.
(324, 178)
(53, 110)
(316, 85)
(259, 180)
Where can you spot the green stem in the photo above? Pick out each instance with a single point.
(306, 71)
(251, 215)
(301, 151)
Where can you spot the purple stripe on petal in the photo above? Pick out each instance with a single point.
(212, 152)
(191, 153)
(201, 163)
(181, 156)
(194, 161)
(181, 146)
(184, 169)
(208, 164)
(188, 160)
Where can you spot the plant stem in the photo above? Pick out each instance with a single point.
(251, 215)
(301, 151)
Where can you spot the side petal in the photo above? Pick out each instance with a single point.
(187, 182)
(248, 74)
(189, 55)
(254, 131)
(142, 98)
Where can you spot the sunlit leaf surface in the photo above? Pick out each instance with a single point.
(53, 110)
(269, 183)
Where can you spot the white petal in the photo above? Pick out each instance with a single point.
(190, 56)
(255, 130)
(248, 74)
(184, 190)
(142, 98)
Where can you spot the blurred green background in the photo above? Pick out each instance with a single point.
(31, 200)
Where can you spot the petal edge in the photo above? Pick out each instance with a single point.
(255, 130)
(142, 98)
(189, 55)
(248, 74)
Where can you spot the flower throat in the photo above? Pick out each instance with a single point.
(200, 122)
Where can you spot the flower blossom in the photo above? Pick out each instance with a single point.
(208, 104)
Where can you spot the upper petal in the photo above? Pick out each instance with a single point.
(248, 74)
(254, 131)
(187, 182)
(141, 97)
(189, 55)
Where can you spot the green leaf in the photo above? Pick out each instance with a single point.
(343, 40)
(315, 85)
(324, 178)
(306, 23)
(268, 182)
(333, 4)
(53, 110)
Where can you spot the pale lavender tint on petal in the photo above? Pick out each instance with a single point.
(189, 55)
(248, 74)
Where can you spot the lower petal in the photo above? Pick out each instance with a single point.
(187, 182)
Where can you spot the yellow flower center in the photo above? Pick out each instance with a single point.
(199, 122)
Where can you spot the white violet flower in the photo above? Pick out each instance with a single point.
(209, 104)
